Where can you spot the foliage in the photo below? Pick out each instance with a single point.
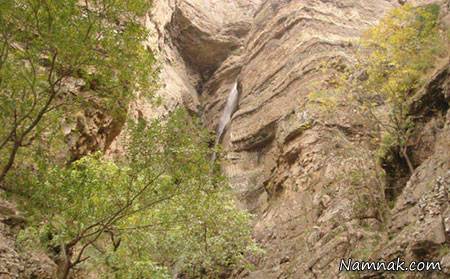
(160, 208)
(444, 250)
(402, 48)
(390, 64)
(48, 46)
(322, 100)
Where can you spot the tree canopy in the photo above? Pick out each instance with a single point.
(159, 207)
(159, 210)
(390, 62)
(48, 46)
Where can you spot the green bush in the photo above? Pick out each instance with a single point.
(161, 208)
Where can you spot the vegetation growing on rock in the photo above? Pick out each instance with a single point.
(391, 61)
(396, 55)
(159, 210)
(48, 47)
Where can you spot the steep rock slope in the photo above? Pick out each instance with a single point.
(290, 168)
(418, 227)
(191, 40)
(297, 168)
(317, 192)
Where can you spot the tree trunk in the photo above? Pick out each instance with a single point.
(63, 263)
(63, 270)
(408, 161)
(10, 163)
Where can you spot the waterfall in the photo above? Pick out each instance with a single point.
(230, 108)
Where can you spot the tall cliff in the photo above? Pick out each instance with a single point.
(289, 164)
(296, 168)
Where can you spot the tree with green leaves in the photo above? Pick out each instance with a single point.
(392, 59)
(159, 208)
(398, 52)
(47, 46)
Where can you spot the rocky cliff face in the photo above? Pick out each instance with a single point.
(289, 168)
(15, 263)
(418, 226)
(308, 177)
(295, 167)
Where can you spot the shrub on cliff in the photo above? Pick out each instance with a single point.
(392, 59)
(397, 54)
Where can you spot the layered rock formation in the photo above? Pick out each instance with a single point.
(307, 175)
(418, 227)
(290, 168)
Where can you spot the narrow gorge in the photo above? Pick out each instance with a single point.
(247, 69)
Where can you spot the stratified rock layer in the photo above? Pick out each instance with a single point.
(290, 168)
(308, 176)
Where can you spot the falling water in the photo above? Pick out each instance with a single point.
(230, 108)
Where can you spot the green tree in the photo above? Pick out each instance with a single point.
(391, 62)
(159, 208)
(402, 48)
(47, 46)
